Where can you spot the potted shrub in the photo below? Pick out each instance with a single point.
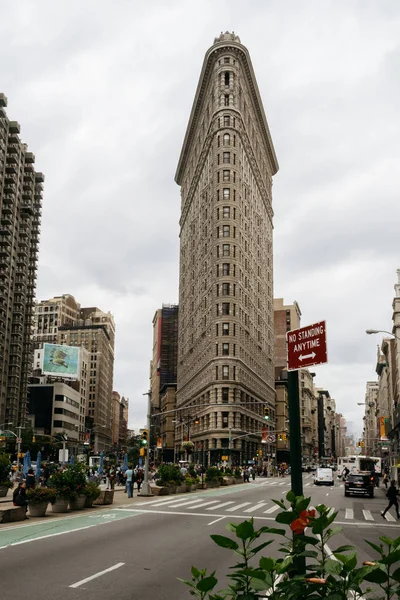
(69, 483)
(169, 477)
(38, 499)
(5, 470)
(92, 491)
(213, 477)
(237, 474)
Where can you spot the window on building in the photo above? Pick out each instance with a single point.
(226, 212)
(226, 60)
(225, 349)
(225, 420)
(225, 395)
(227, 121)
(225, 268)
(226, 157)
(225, 289)
(226, 231)
(226, 193)
(226, 249)
(225, 372)
(226, 76)
(225, 328)
(227, 139)
(226, 175)
(225, 308)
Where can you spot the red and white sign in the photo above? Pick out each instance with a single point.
(306, 346)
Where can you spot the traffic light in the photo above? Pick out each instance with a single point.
(33, 438)
(266, 413)
(196, 420)
(145, 435)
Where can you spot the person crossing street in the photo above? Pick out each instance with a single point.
(391, 494)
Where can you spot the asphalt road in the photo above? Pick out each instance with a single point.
(139, 549)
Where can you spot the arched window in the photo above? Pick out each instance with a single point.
(227, 139)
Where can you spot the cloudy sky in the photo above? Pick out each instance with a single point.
(103, 92)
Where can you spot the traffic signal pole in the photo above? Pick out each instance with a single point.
(295, 433)
(146, 489)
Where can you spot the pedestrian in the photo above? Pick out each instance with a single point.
(129, 482)
(111, 479)
(385, 480)
(253, 474)
(30, 480)
(139, 479)
(345, 473)
(391, 494)
(246, 475)
(19, 496)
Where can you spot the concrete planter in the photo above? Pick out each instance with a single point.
(10, 515)
(214, 483)
(238, 480)
(106, 497)
(160, 490)
(37, 510)
(228, 480)
(60, 505)
(172, 489)
(79, 503)
(189, 488)
(181, 489)
(88, 502)
(3, 491)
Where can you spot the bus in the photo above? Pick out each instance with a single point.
(357, 463)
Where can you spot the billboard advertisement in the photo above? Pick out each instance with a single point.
(61, 361)
(384, 427)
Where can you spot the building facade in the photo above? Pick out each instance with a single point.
(62, 320)
(225, 170)
(163, 379)
(20, 215)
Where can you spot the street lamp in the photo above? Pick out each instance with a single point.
(373, 331)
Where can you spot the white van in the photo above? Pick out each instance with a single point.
(323, 477)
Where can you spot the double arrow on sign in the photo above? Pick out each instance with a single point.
(312, 355)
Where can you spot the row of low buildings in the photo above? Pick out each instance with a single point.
(218, 372)
(381, 433)
(52, 404)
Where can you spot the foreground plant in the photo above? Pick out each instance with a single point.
(308, 570)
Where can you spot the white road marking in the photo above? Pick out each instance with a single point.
(159, 502)
(368, 516)
(202, 504)
(182, 503)
(271, 510)
(349, 513)
(221, 505)
(283, 483)
(216, 521)
(96, 575)
(255, 507)
(390, 517)
(238, 506)
(307, 484)
(331, 511)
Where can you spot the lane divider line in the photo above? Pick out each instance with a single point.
(96, 575)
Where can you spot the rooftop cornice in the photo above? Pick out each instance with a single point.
(210, 57)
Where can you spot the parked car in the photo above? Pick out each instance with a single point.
(323, 476)
(360, 483)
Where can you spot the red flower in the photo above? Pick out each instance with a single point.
(299, 525)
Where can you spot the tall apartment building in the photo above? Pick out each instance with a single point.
(225, 170)
(163, 377)
(119, 420)
(62, 320)
(20, 213)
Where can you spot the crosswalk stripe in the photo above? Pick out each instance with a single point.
(274, 482)
(331, 511)
(283, 483)
(238, 506)
(271, 510)
(368, 516)
(220, 505)
(183, 503)
(390, 517)
(349, 514)
(255, 507)
(159, 502)
(307, 484)
(203, 504)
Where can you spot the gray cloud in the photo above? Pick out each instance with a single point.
(103, 94)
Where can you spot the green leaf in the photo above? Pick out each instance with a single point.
(266, 563)
(290, 496)
(375, 547)
(224, 542)
(195, 572)
(260, 547)
(302, 504)
(272, 530)
(386, 540)
(344, 549)
(334, 531)
(318, 526)
(308, 553)
(281, 568)
(376, 576)
(396, 575)
(280, 503)
(333, 567)
(285, 517)
(391, 558)
(396, 542)
(259, 585)
(308, 539)
(245, 530)
(207, 584)
(189, 583)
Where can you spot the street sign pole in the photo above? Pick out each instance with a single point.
(146, 489)
(295, 433)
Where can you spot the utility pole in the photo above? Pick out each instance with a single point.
(18, 445)
(146, 490)
(230, 448)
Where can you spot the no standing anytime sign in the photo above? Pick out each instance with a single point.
(306, 346)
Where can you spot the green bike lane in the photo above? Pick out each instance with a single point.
(12, 535)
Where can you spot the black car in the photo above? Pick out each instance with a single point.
(361, 483)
